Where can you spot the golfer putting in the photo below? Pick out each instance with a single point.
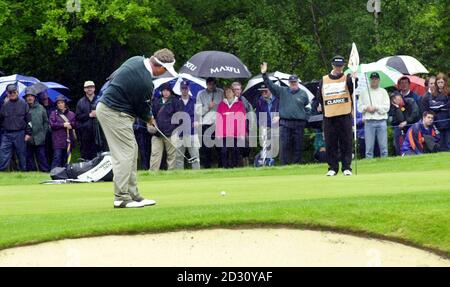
(129, 96)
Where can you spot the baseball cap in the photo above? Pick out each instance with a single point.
(30, 91)
(263, 88)
(293, 78)
(338, 61)
(11, 88)
(374, 75)
(184, 84)
(88, 84)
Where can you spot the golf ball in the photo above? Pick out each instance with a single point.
(223, 193)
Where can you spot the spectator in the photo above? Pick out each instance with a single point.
(237, 90)
(335, 98)
(267, 114)
(62, 123)
(293, 117)
(438, 103)
(143, 139)
(14, 120)
(39, 126)
(421, 137)
(86, 120)
(230, 129)
(430, 84)
(320, 151)
(361, 138)
(49, 108)
(374, 104)
(207, 102)
(403, 113)
(404, 84)
(163, 109)
(189, 141)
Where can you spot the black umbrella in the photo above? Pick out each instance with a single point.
(215, 64)
(252, 93)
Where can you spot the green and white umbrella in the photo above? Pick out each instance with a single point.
(388, 76)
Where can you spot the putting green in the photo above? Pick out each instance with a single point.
(402, 199)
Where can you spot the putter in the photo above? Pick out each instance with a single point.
(189, 160)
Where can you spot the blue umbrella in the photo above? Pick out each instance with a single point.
(53, 90)
(21, 81)
(195, 84)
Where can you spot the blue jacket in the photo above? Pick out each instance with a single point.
(84, 108)
(415, 97)
(15, 116)
(414, 142)
(163, 113)
(440, 105)
(189, 108)
(268, 107)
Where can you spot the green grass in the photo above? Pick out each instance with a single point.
(403, 199)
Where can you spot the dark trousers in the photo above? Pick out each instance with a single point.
(143, 139)
(291, 141)
(37, 153)
(88, 148)
(444, 142)
(399, 136)
(49, 146)
(206, 153)
(230, 153)
(338, 141)
(59, 158)
(13, 141)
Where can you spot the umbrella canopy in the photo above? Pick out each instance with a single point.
(252, 94)
(388, 75)
(417, 85)
(195, 84)
(53, 90)
(215, 64)
(404, 64)
(22, 83)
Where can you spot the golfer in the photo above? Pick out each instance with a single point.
(128, 96)
(335, 101)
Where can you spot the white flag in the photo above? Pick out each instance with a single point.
(353, 61)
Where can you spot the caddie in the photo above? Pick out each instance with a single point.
(335, 98)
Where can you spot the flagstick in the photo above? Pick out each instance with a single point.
(368, 89)
(354, 123)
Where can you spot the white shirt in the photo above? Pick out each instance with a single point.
(185, 101)
(379, 99)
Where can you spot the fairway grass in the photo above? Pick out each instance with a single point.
(402, 199)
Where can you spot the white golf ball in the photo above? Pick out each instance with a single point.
(223, 193)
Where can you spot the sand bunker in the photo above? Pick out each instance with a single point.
(222, 247)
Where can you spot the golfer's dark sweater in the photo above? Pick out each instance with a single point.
(131, 89)
(292, 104)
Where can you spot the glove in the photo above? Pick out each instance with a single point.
(151, 129)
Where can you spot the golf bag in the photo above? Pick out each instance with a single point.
(262, 158)
(261, 161)
(97, 169)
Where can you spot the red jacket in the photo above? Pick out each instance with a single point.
(230, 119)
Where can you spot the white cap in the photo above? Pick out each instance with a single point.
(88, 84)
(168, 66)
